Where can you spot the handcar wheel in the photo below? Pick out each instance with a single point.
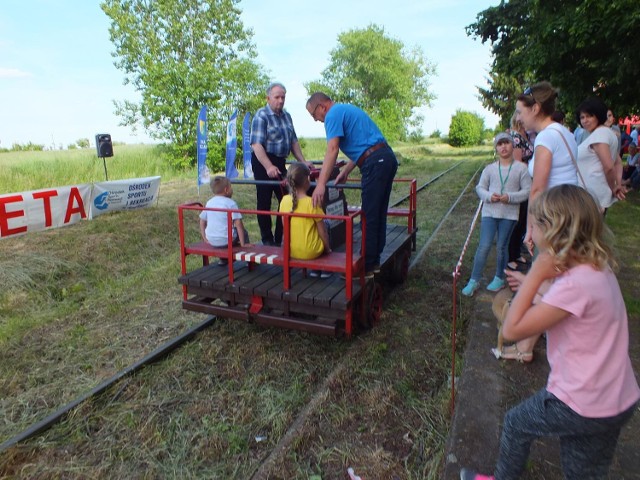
(372, 299)
(375, 303)
(401, 267)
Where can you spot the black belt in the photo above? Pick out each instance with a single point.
(369, 151)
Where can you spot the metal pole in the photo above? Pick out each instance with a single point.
(355, 186)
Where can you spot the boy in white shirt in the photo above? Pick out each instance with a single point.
(213, 224)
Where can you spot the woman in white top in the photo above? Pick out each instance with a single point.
(598, 158)
(551, 165)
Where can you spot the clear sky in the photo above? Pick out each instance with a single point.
(58, 81)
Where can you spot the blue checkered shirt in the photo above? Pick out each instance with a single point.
(274, 132)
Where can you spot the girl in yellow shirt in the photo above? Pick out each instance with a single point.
(308, 236)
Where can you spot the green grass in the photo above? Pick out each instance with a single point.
(24, 171)
(80, 303)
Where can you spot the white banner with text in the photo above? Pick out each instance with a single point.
(55, 207)
(44, 209)
(129, 194)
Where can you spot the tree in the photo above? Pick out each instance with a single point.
(500, 98)
(82, 142)
(181, 55)
(377, 73)
(583, 47)
(466, 129)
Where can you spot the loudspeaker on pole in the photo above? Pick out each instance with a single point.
(104, 147)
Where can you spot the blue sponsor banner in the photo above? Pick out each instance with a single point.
(232, 143)
(246, 146)
(202, 148)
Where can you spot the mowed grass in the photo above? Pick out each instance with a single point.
(81, 303)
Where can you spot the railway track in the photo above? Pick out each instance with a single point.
(161, 352)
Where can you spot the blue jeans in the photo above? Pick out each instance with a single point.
(378, 171)
(489, 228)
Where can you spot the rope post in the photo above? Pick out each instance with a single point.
(456, 275)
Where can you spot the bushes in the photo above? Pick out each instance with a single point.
(28, 147)
(466, 129)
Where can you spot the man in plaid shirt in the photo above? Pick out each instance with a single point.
(272, 139)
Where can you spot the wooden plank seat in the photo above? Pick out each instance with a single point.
(269, 255)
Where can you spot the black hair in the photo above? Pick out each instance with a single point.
(593, 106)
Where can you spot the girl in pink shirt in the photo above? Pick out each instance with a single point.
(571, 294)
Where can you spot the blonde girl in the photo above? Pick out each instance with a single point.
(309, 237)
(572, 294)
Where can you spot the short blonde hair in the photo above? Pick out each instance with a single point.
(573, 226)
(218, 184)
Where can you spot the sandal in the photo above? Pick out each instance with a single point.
(520, 267)
(512, 353)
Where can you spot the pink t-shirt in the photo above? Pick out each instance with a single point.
(589, 350)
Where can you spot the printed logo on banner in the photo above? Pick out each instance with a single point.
(101, 201)
(110, 198)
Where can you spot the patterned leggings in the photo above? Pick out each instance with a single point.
(587, 445)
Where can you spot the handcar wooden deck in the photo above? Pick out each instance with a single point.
(263, 285)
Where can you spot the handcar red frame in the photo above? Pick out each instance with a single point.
(264, 285)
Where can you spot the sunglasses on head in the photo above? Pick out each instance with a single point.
(527, 91)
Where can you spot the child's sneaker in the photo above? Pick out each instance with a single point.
(471, 288)
(324, 274)
(496, 284)
(314, 273)
(466, 474)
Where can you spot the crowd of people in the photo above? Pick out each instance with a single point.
(569, 291)
(548, 191)
(273, 138)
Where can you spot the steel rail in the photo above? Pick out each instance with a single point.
(398, 202)
(160, 353)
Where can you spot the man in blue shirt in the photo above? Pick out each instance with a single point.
(348, 128)
(272, 139)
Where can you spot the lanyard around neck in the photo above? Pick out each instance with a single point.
(503, 182)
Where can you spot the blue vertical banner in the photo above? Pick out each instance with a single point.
(246, 146)
(232, 143)
(202, 148)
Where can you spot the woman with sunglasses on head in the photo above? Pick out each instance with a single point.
(553, 163)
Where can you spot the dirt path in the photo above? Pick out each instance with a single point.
(489, 387)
